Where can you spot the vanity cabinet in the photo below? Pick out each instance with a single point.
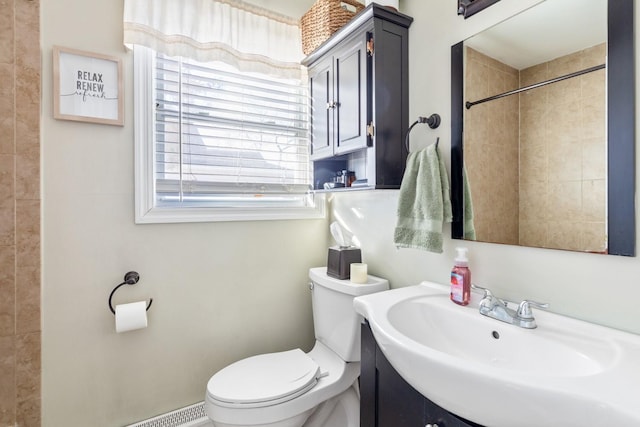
(387, 400)
(359, 98)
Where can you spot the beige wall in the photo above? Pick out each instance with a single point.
(563, 154)
(221, 291)
(19, 213)
(491, 135)
(581, 285)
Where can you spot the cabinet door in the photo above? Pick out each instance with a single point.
(387, 400)
(399, 405)
(321, 94)
(351, 96)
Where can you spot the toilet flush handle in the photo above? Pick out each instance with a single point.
(310, 286)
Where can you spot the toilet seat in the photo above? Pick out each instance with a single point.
(264, 380)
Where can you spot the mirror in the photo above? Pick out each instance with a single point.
(547, 139)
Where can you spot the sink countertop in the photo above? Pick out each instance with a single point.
(576, 373)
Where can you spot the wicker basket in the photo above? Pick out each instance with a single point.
(323, 19)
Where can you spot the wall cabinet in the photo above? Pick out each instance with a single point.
(359, 94)
(337, 85)
(387, 400)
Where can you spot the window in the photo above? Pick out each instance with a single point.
(214, 143)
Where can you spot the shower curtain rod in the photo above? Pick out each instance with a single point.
(536, 85)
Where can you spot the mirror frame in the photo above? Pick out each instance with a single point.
(621, 155)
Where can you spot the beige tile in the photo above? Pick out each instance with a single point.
(28, 176)
(565, 235)
(6, 79)
(28, 412)
(27, 233)
(27, 299)
(7, 178)
(7, 125)
(496, 66)
(7, 380)
(567, 91)
(28, 366)
(531, 122)
(7, 223)
(27, 24)
(594, 159)
(594, 237)
(533, 233)
(594, 200)
(595, 55)
(594, 117)
(6, 32)
(533, 202)
(565, 65)
(533, 163)
(27, 87)
(565, 121)
(7, 291)
(594, 84)
(474, 55)
(476, 81)
(565, 160)
(535, 74)
(565, 201)
(27, 129)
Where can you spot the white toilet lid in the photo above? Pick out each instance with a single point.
(264, 380)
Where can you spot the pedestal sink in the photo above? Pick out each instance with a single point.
(565, 372)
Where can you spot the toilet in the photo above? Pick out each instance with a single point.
(293, 388)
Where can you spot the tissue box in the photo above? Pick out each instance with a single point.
(340, 259)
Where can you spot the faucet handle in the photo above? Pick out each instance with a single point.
(524, 308)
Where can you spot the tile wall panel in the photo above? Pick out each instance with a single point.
(20, 325)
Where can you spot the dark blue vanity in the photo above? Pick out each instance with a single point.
(387, 400)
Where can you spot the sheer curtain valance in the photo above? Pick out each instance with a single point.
(250, 38)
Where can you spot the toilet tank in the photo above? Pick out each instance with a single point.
(336, 323)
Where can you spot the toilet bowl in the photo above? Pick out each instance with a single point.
(293, 388)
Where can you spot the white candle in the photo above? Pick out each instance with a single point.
(358, 272)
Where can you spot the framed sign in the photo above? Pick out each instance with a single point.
(87, 87)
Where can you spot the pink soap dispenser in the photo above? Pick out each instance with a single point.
(461, 278)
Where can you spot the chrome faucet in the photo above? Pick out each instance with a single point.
(494, 307)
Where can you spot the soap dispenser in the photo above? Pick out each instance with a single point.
(461, 278)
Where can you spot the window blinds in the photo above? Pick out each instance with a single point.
(224, 136)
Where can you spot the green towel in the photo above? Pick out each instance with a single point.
(468, 227)
(424, 204)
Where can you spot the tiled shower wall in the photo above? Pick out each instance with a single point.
(563, 154)
(549, 190)
(491, 135)
(20, 213)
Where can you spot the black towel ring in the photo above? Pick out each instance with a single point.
(433, 121)
(131, 278)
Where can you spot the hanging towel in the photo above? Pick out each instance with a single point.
(468, 227)
(424, 204)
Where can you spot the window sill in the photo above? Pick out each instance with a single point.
(160, 215)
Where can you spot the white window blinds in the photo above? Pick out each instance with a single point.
(223, 136)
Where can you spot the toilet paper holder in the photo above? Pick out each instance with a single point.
(131, 278)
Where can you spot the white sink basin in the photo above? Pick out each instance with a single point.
(564, 373)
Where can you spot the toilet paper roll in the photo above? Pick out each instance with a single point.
(132, 316)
